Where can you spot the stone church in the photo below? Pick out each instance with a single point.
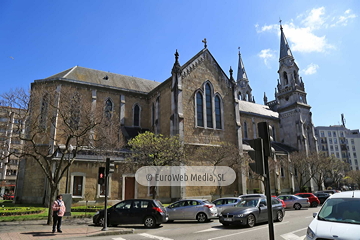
(201, 104)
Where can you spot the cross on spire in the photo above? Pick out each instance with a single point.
(204, 41)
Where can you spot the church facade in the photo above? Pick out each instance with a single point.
(201, 104)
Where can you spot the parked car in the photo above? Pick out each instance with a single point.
(293, 201)
(314, 201)
(250, 195)
(192, 209)
(149, 212)
(282, 202)
(330, 191)
(8, 196)
(251, 211)
(224, 203)
(322, 196)
(338, 218)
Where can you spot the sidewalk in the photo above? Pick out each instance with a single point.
(72, 228)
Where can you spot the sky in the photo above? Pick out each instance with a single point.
(139, 38)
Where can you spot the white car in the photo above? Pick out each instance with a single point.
(338, 218)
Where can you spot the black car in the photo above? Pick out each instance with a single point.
(251, 211)
(322, 196)
(149, 212)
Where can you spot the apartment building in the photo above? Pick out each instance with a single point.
(340, 142)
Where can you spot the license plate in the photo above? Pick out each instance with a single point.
(228, 219)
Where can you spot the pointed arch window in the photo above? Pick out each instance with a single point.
(44, 110)
(136, 116)
(239, 96)
(218, 112)
(209, 110)
(199, 110)
(245, 130)
(108, 108)
(286, 81)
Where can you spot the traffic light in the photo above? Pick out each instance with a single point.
(110, 166)
(101, 176)
(257, 156)
(266, 133)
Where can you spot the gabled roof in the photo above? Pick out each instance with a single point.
(106, 79)
(257, 109)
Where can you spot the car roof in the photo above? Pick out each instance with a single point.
(347, 194)
(227, 198)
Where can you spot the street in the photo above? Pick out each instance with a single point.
(293, 227)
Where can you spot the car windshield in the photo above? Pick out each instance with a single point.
(341, 210)
(248, 202)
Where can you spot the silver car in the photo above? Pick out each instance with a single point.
(293, 201)
(192, 209)
(224, 203)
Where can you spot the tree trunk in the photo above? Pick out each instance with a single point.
(51, 200)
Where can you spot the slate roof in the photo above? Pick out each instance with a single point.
(257, 109)
(106, 79)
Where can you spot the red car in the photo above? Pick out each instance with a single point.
(8, 196)
(282, 201)
(314, 201)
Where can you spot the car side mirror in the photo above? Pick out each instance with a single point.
(314, 214)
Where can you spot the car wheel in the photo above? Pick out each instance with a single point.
(201, 217)
(297, 206)
(250, 221)
(149, 222)
(101, 221)
(314, 204)
(279, 216)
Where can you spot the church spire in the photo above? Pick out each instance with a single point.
(284, 46)
(241, 74)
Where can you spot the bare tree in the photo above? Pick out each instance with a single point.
(60, 122)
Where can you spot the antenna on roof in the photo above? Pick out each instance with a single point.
(343, 120)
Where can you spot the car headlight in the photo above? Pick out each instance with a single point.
(240, 215)
(310, 233)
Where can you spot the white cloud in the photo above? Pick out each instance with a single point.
(266, 28)
(315, 19)
(311, 69)
(304, 39)
(344, 19)
(267, 54)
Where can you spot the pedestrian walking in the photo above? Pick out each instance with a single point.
(58, 209)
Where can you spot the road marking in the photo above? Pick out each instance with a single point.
(292, 236)
(208, 230)
(252, 230)
(154, 237)
(118, 238)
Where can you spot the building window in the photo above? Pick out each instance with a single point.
(218, 112)
(136, 115)
(336, 148)
(334, 134)
(335, 140)
(44, 110)
(342, 134)
(354, 154)
(108, 108)
(329, 134)
(199, 110)
(337, 155)
(331, 148)
(352, 141)
(353, 148)
(330, 141)
(322, 134)
(209, 110)
(78, 185)
(245, 130)
(356, 162)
